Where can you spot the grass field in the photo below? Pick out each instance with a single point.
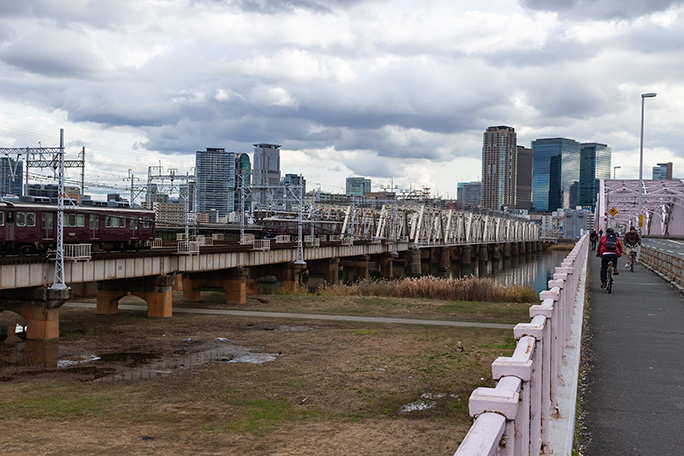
(328, 388)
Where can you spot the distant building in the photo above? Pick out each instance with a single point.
(595, 161)
(523, 185)
(499, 167)
(576, 223)
(243, 173)
(663, 171)
(169, 213)
(265, 172)
(469, 193)
(215, 170)
(52, 191)
(11, 176)
(555, 173)
(291, 183)
(357, 186)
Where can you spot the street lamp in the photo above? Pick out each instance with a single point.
(641, 156)
(615, 168)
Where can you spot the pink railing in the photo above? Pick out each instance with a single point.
(514, 417)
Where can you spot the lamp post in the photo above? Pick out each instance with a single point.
(615, 168)
(641, 157)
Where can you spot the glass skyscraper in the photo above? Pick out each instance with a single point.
(215, 180)
(11, 176)
(594, 165)
(555, 173)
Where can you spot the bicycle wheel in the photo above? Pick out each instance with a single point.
(609, 280)
(631, 264)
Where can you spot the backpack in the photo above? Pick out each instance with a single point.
(611, 241)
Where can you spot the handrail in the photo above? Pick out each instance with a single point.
(513, 418)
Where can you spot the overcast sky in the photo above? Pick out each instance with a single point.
(385, 89)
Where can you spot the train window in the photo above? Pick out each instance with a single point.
(146, 223)
(71, 219)
(2, 218)
(134, 224)
(122, 222)
(30, 219)
(47, 221)
(21, 219)
(115, 222)
(95, 222)
(108, 221)
(80, 220)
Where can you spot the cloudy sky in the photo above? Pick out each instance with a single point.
(387, 89)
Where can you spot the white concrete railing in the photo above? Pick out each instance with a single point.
(157, 243)
(514, 417)
(261, 244)
(190, 247)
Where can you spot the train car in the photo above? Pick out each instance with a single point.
(29, 227)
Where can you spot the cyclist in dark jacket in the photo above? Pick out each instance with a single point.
(608, 254)
(632, 238)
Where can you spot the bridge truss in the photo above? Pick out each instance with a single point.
(662, 205)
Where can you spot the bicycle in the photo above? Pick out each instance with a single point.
(609, 277)
(632, 256)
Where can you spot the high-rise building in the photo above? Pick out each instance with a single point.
(499, 167)
(11, 176)
(663, 171)
(243, 177)
(595, 161)
(523, 185)
(469, 194)
(357, 186)
(265, 172)
(215, 170)
(555, 173)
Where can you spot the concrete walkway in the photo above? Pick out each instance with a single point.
(634, 391)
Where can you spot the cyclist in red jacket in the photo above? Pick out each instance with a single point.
(609, 249)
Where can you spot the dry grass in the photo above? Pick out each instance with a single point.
(466, 289)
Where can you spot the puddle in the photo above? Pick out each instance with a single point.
(427, 401)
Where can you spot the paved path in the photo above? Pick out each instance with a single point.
(669, 246)
(259, 314)
(634, 396)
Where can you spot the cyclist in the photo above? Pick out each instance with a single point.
(632, 239)
(593, 237)
(609, 249)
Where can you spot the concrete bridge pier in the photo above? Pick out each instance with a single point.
(515, 251)
(507, 250)
(415, 266)
(39, 306)
(484, 253)
(466, 254)
(496, 251)
(522, 249)
(356, 269)
(233, 281)
(444, 259)
(154, 290)
(386, 262)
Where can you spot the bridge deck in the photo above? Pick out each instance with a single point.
(634, 396)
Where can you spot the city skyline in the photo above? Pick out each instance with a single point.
(394, 91)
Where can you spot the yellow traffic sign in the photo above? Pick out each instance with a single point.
(613, 211)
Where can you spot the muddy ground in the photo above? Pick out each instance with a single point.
(206, 385)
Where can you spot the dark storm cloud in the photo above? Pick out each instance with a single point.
(600, 9)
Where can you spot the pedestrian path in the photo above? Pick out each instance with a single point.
(633, 400)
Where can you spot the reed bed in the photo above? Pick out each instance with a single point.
(428, 287)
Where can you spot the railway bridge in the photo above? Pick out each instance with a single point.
(416, 236)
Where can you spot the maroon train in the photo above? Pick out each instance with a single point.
(28, 228)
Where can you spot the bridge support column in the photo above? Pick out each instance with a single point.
(522, 249)
(415, 262)
(445, 258)
(507, 250)
(484, 254)
(233, 281)
(156, 291)
(39, 306)
(359, 267)
(466, 254)
(514, 249)
(386, 262)
(236, 286)
(496, 254)
(331, 271)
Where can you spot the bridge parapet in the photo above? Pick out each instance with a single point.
(515, 417)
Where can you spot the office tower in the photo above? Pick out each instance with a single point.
(523, 185)
(215, 170)
(469, 194)
(265, 172)
(357, 186)
(555, 173)
(594, 165)
(663, 171)
(11, 177)
(243, 177)
(499, 167)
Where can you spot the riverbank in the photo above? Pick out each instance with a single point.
(291, 387)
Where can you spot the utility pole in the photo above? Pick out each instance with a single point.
(58, 283)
